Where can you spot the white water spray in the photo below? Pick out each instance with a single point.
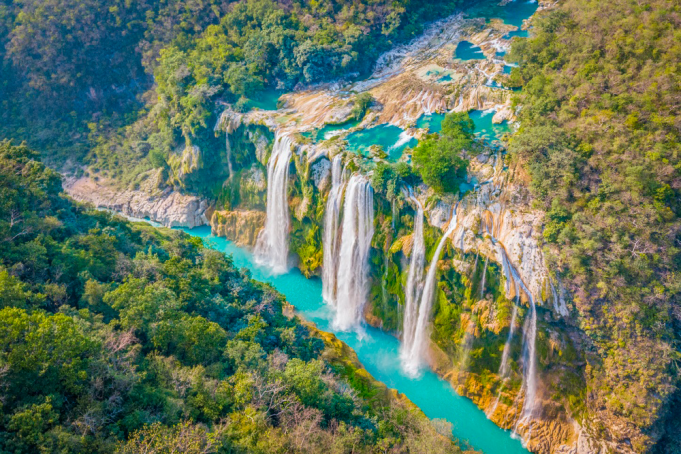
(413, 358)
(412, 294)
(353, 265)
(272, 246)
(331, 237)
(530, 363)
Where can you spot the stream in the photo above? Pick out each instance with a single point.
(379, 353)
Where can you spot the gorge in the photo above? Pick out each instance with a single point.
(447, 272)
(323, 217)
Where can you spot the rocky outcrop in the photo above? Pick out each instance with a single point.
(167, 207)
(242, 227)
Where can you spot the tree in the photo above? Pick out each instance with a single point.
(437, 158)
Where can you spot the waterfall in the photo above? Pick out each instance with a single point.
(529, 340)
(272, 246)
(228, 150)
(417, 262)
(331, 222)
(530, 362)
(353, 263)
(503, 368)
(484, 275)
(413, 357)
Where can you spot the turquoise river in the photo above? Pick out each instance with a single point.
(379, 353)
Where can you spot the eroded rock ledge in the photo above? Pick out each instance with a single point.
(167, 207)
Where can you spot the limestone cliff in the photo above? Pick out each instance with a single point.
(242, 227)
(167, 207)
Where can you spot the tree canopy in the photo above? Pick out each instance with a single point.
(119, 337)
(438, 157)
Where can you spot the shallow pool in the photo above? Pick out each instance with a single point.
(512, 13)
(328, 131)
(265, 100)
(391, 138)
(466, 51)
(484, 128)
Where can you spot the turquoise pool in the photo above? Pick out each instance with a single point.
(391, 138)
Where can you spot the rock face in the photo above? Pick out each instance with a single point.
(167, 207)
(242, 227)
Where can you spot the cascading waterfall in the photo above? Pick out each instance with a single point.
(228, 150)
(484, 275)
(353, 263)
(417, 262)
(530, 362)
(331, 237)
(413, 357)
(529, 340)
(272, 246)
(503, 368)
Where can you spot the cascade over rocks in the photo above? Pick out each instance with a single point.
(272, 246)
(353, 263)
(331, 231)
(413, 291)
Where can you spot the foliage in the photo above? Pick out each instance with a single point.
(437, 157)
(118, 336)
(362, 103)
(600, 142)
(133, 76)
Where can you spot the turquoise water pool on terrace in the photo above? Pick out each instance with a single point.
(512, 13)
(392, 139)
(484, 128)
(467, 51)
(265, 100)
(328, 131)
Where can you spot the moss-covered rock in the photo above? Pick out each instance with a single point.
(242, 227)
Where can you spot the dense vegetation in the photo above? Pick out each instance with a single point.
(122, 337)
(600, 141)
(130, 77)
(437, 157)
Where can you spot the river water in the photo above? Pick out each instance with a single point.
(379, 353)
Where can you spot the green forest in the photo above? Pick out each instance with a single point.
(120, 337)
(600, 143)
(105, 82)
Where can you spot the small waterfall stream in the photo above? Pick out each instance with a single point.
(414, 288)
(529, 357)
(353, 264)
(413, 358)
(271, 248)
(331, 237)
(228, 150)
(530, 362)
(503, 368)
(484, 275)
